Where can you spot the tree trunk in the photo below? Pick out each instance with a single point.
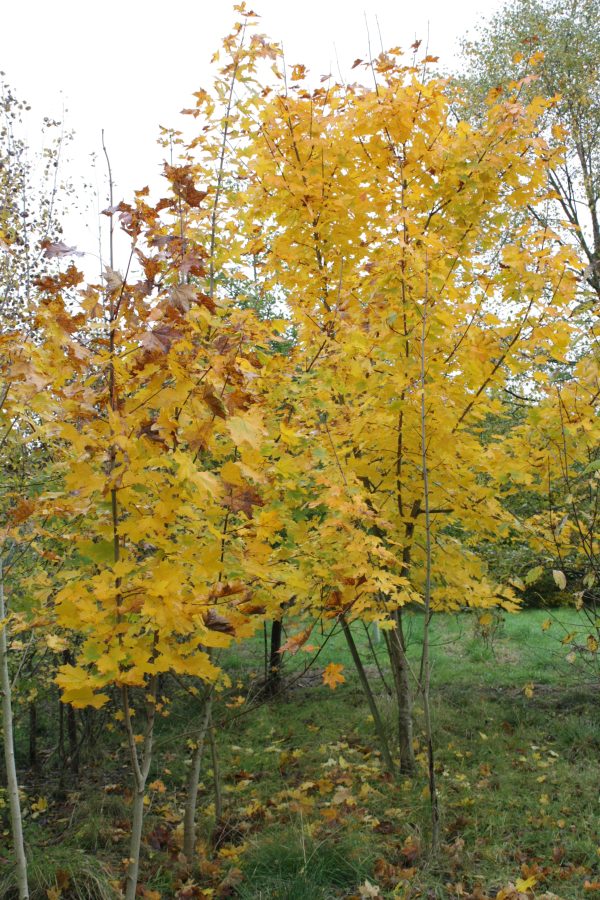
(425, 661)
(191, 799)
(33, 760)
(61, 734)
(73, 757)
(141, 766)
(379, 726)
(135, 843)
(400, 670)
(73, 747)
(9, 753)
(216, 775)
(274, 674)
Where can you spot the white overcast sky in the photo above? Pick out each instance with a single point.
(129, 66)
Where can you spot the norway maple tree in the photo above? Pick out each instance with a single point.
(205, 481)
(380, 206)
(155, 430)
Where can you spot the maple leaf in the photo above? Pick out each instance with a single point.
(158, 786)
(559, 579)
(293, 643)
(113, 279)
(40, 805)
(411, 849)
(226, 589)
(231, 474)
(298, 72)
(242, 498)
(159, 339)
(214, 403)
(214, 621)
(53, 284)
(368, 890)
(77, 690)
(56, 643)
(192, 263)
(524, 884)
(332, 675)
(182, 296)
(22, 511)
(58, 249)
(182, 179)
(242, 430)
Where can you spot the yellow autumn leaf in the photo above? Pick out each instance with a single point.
(536, 58)
(77, 690)
(559, 579)
(243, 430)
(288, 435)
(332, 675)
(230, 473)
(524, 884)
(40, 805)
(56, 643)
(208, 482)
(158, 786)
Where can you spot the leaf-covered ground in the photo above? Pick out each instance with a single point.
(309, 811)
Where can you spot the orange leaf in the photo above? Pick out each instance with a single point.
(293, 643)
(332, 675)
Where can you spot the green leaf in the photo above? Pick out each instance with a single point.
(97, 551)
(534, 574)
(594, 466)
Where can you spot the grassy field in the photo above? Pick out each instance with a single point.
(309, 811)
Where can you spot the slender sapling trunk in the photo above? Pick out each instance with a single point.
(274, 673)
(401, 672)
(140, 763)
(9, 752)
(377, 720)
(191, 799)
(216, 775)
(425, 660)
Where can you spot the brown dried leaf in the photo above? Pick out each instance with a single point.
(226, 588)
(22, 511)
(293, 643)
(182, 180)
(59, 249)
(114, 280)
(181, 297)
(242, 499)
(216, 622)
(252, 609)
(214, 403)
(54, 284)
(160, 339)
(152, 343)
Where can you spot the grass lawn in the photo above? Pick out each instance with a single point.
(309, 811)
